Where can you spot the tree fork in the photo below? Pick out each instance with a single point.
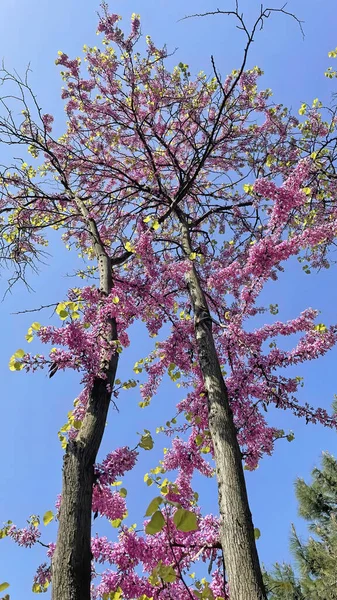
(236, 525)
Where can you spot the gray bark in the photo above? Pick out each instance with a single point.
(236, 526)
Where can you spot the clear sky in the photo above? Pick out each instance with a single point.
(33, 407)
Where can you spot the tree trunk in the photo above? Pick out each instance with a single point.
(236, 526)
(71, 564)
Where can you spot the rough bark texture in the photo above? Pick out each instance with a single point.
(236, 526)
(71, 564)
(71, 572)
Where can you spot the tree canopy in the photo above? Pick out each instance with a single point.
(183, 196)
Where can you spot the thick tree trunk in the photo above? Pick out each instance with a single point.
(71, 564)
(236, 526)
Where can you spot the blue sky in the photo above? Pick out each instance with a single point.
(33, 407)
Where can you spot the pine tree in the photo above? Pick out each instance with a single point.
(316, 559)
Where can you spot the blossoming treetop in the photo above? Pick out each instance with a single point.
(184, 196)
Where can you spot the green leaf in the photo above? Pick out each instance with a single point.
(4, 586)
(156, 524)
(19, 353)
(47, 517)
(167, 573)
(123, 492)
(146, 441)
(15, 365)
(63, 314)
(257, 533)
(153, 506)
(185, 520)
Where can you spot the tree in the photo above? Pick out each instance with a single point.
(166, 186)
(316, 559)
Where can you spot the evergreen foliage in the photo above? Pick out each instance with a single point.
(316, 558)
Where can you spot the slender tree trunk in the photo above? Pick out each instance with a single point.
(71, 564)
(236, 526)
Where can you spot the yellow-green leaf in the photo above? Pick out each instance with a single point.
(167, 573)
(257, 533)
(146, 442)
(19, 353)
(115, 299)
(47, 517)
(123, 492)
(117, 595)
(4, 586)
(156, 524)
(185, 520)
(116, 522)
(36, 326)
(307, 191)
(248, 188)
(128, 247)
(320, 327)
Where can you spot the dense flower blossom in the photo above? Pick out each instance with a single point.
(26, 537)
(134, 133)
